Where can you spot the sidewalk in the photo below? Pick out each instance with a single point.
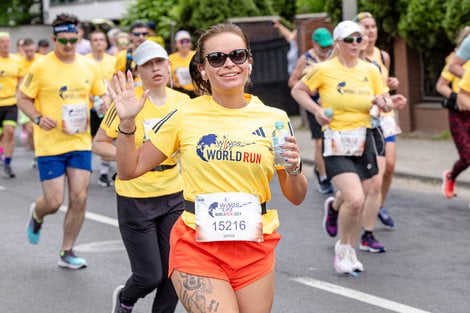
(422, 159)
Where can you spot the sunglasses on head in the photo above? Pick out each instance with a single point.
(138, 34)
(352, 39)
(217, 59)
(65, 41)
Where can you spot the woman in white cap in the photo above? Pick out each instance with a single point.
(148, 205)
(180, 63)
(349, 88)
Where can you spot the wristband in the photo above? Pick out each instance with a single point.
(127, 134)
(297, 171)
(37, 120)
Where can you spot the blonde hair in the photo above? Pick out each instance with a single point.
(464, 32)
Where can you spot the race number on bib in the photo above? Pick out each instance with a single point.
(389, 126)
(344, 142)
(183, 76)
(228, 216)
(148, 124)
(74, 118)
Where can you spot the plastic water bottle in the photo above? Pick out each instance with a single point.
(278, 139)
(97, 106)
(329, 113)
(374, 111)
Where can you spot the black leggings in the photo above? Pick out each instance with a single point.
(460, 128)
(145, 225)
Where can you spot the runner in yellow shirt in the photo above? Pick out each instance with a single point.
(125, 58)
(9, 77)
(149, 205)
(349, 87)
(55, 95)
(107, 64)
(224, 141)
(180, 63)
(30, 56)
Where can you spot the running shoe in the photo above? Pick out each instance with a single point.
(385, 218)
(8, 172)
(356, 265)
(117, 305)
(33, 228)
(68, 259)
(324, 185)
(330, 217)
(34, 162)
(343, 262)
(370, 244)
(448, 185)
(104, 181)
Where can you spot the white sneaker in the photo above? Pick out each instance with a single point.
(343, 262)
(356, 265)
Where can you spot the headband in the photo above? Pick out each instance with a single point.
(65, 28)
(362, 16)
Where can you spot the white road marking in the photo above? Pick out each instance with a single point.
(101, 246)
(357, 295)
(96, 217)
(2, 188)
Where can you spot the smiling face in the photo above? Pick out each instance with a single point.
(154, 72)
(229, 77)
(370, 28)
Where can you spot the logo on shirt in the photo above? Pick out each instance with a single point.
(343, 89)
(340, 87)
(2, 73)
(213, 147)
(66, 92)
(259, 132)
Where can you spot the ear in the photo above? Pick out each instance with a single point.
(250, 68)
(169, 69)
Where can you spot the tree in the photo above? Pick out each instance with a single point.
(17, 12)
(456, 17)
(162, 12)
(310, 6)
(334, 8)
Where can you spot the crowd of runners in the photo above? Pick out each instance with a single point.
(191, 199)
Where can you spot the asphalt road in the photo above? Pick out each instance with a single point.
(426, 267)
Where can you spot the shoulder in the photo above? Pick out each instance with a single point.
(259, 106)
(178, 95)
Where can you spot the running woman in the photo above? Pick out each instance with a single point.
(9, 77)
(459, 121)
(350, 87)
(180, 61)
(322, 44)
(55, 96)
(149, 205)
(224, 141)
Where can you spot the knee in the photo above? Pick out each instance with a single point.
(390, 167)
(53, 203)
(8, 133)
(354, 203)
(78, 199)
(149, 281)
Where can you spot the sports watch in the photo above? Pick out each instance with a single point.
(37, 120)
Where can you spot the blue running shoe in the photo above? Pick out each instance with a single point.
(385, 218)
(370, 244)
(68, 259)
(33, 228)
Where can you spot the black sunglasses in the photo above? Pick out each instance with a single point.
(65, 41)
(217, 59)
(352, 39)
(138, 34)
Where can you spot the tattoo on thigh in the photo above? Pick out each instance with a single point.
(195, 294)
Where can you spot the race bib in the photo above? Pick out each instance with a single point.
(389, 126)
(183, 76)
(148, 124)
(74, 118)
(228, 216)
(344, 142)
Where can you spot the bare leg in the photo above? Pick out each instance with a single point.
(373, 198)
(391, 157)
(257, 297)
(52, 198)
(78, 181)
(200, 294)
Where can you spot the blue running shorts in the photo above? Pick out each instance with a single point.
(54, 166)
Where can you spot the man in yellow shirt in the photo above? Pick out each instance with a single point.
(125, 58)
(55, 95)
(180, 64)
(107, 64)
(9, 76)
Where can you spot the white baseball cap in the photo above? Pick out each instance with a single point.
(149, 50)
(345, 29)
(182, 34)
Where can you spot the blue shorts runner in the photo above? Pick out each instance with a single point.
(392, 138)
(54, 166)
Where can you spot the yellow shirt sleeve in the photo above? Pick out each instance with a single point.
(110, 122)
(313, 78)
(465, 81)
(165, 134)
(32, 82)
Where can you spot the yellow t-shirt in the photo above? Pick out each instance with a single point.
(153, 183)
(465, 81)
(180, 70)
(222, 150)
(454, 80)
(25, 64)
(348, 91)
(55, 84)
(9, 75)
(121, 58)
(107, 66)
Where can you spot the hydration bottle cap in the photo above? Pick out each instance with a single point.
(279, 124)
